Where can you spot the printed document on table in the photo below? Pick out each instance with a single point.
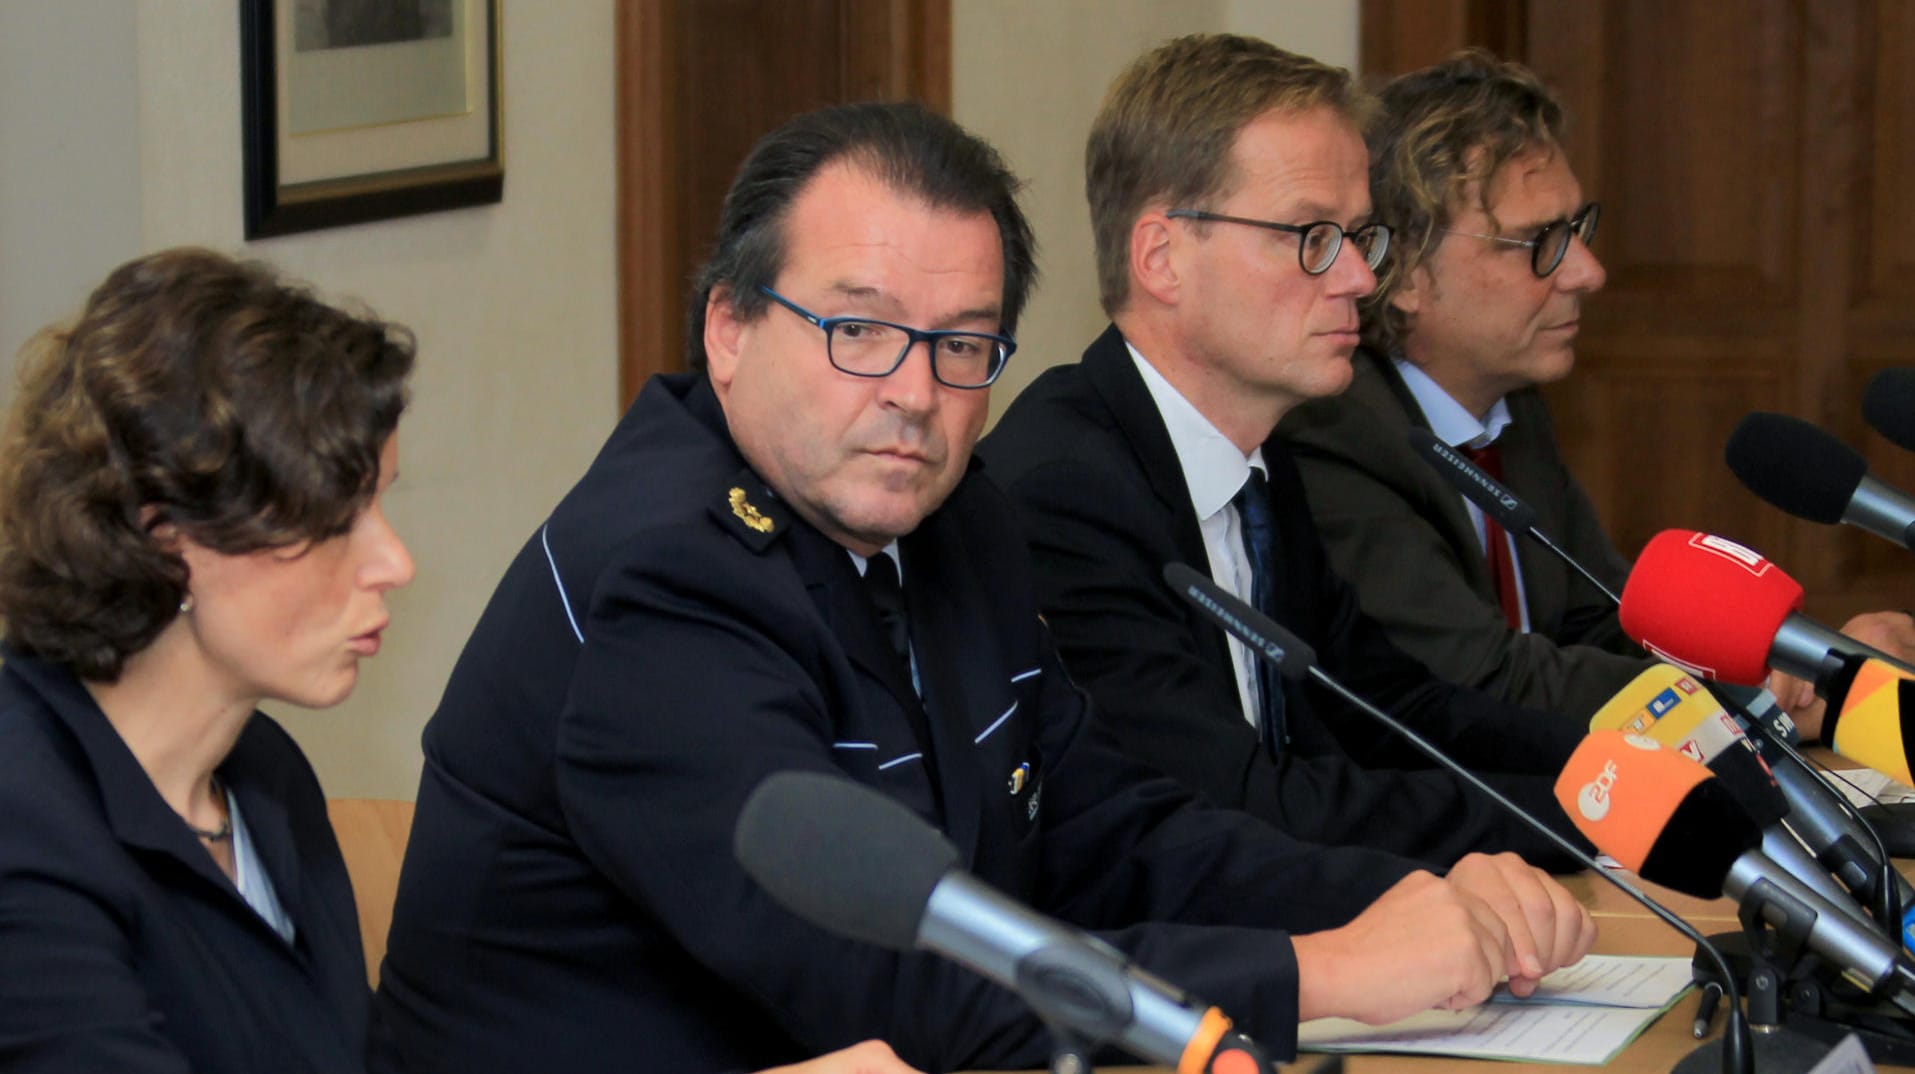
(1866, 786)
(1583, 1014)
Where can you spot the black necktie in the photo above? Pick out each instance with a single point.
(887, 598)
(1260, 540)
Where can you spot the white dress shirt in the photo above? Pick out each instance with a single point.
(1214, 471)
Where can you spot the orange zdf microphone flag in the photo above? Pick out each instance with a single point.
(1621, 789)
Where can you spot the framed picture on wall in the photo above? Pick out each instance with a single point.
(357, 110)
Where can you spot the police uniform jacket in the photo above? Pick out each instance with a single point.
(672, 635)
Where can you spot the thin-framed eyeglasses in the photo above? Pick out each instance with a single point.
(864, 347)
(1318, 242)
(1547, 249)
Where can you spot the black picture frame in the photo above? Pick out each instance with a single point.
(276, 208)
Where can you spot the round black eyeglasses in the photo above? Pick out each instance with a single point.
(1320, 241)
(1551, 244)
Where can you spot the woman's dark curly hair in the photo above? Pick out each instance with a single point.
(193, 391)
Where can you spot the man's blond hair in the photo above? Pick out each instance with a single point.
(1167, 125)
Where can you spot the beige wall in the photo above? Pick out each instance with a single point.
(119, 133)
(513, 304)
(1029, 77)
(69, 159)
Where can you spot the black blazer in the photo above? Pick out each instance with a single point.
(1087, 459)
(122, 946)
(1402, 534)
(667, 639)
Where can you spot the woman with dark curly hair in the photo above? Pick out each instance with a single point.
(190, 524)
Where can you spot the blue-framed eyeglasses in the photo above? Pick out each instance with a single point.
(863, 347)
(1546, 250)
(1319, 242)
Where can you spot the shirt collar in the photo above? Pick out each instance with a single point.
(888, 550)
(1449, 420)
(1213, 467)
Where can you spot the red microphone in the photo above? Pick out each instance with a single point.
(1709, 604)
(1724, 612)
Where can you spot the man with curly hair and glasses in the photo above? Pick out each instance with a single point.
(1478, 303)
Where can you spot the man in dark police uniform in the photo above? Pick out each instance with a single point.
(716, 600)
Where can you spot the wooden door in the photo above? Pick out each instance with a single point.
(699, 81)
(1751, 159)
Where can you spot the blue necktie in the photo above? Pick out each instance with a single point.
(1260, 538)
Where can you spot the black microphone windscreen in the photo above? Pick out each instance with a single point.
(1794, 465)
(1888, 405)
(842, 856)
(1706, 833)
(1743, 774)
(1489, 495)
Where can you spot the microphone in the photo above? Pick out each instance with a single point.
(1837, 834)
(1665, 704)
(1493, 498)
(1796, 466)
(1870, 717)
(1720, 610)
(1665, 817)
(1888, 405)
(857, 863)
(1296, 661)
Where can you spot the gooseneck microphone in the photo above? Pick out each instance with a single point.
(1888, 405)
(1493, 498)
(857, 863)
(1797, 466)
(1296, 661)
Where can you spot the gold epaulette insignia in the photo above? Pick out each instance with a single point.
(748, 514)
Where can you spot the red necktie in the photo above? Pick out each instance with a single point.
(1502, 562)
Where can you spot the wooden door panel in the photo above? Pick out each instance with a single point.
(1759, 231)
(700, 81)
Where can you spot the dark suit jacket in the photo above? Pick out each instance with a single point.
(122, 946)
(1087, 459)
(667, 639)
(1402, 535)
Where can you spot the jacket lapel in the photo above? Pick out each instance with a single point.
(959, 675)
(137, 815)
(832, 579)
(1381, 389)
(1111, 372)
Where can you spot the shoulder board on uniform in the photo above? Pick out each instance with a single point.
(749, 511)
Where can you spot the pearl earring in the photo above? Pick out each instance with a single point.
(186, 604)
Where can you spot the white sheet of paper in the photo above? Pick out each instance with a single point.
(1583, 1014)
(1538, 1034)
(1866, 786)
(1610, 981)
